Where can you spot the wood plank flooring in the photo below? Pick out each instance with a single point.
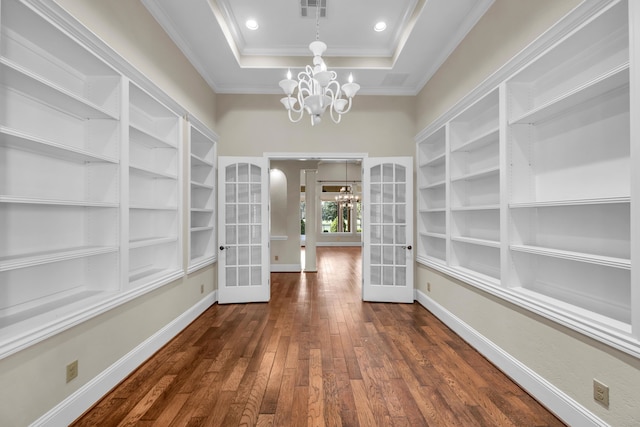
(316, 355)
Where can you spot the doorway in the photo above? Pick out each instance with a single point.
(248, 244)
(309, 207)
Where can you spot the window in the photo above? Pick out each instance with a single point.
(339, 218)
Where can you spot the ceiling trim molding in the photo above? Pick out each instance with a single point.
(167, 25)
(468, 24)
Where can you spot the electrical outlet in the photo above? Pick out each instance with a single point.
(202, 288)
(277, 257)
(428, 286)
(72, 370)
(601, 392)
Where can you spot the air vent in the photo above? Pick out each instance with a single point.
(308, 8)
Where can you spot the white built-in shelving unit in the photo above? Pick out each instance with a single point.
(91, 178)
(60, 173)
(525, 189)
(202, 186)
(155, 248)
(432, 197)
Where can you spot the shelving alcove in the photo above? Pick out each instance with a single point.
(526, 187)
(202, 190)
(91, 186)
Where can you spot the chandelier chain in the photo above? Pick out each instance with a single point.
(318, 20)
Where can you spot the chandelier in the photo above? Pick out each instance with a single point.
(316, 88)
(346, 196)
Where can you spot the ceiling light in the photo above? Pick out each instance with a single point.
(252, 24)
(380, 26)
(317, 88)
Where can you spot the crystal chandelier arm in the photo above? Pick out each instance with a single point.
(300, 115)
(331, 114)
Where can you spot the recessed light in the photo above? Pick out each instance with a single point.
(380, 26)
(252, 24)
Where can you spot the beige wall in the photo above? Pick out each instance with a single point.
(250, 125)
(33, 380)
(568, 360)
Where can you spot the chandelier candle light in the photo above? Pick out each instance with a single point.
(317, 88)
(346, 196)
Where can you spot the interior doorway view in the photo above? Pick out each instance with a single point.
(348, 200)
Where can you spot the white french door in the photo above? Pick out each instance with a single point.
(243, 261)
(387, 256)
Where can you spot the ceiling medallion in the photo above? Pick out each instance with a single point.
(317, 89)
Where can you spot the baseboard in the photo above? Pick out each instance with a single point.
(558, 402)
(76, 404)
(286, 268)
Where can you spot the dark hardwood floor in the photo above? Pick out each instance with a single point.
(317, 355)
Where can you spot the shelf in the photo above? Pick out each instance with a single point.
(481, 276)
(11, 138)
(201, 210)
(478, 242)
(152, 241)
(146, 276)
(141, 136)
(488, 138)
(576, 202)
(151, 174)
(20, 80)
(436, 161)
(433, 186)
(33, 201)
(575, 256)
(51, 311)
(478, 175)
(153, 207)
(38, 258)
(615, 79)
(435, 260)
(198, 185)
(200, 229)
(562, 308)
(198, 161)
(475, 208)
(434, 235)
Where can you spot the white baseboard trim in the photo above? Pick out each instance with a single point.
(558, 402)
(286, 268)
(82, 399)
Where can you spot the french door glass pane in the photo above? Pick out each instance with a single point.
(255, 174)
(243, 234)
(232, 235)
(243, 193)
(243, 172)
(376, 275)
(230, 193)
(231, 276)
(243, 255)
(387, 275)
(230, 173)
(243, 276)
(401, 276)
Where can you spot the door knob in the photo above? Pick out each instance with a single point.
(222, 248)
